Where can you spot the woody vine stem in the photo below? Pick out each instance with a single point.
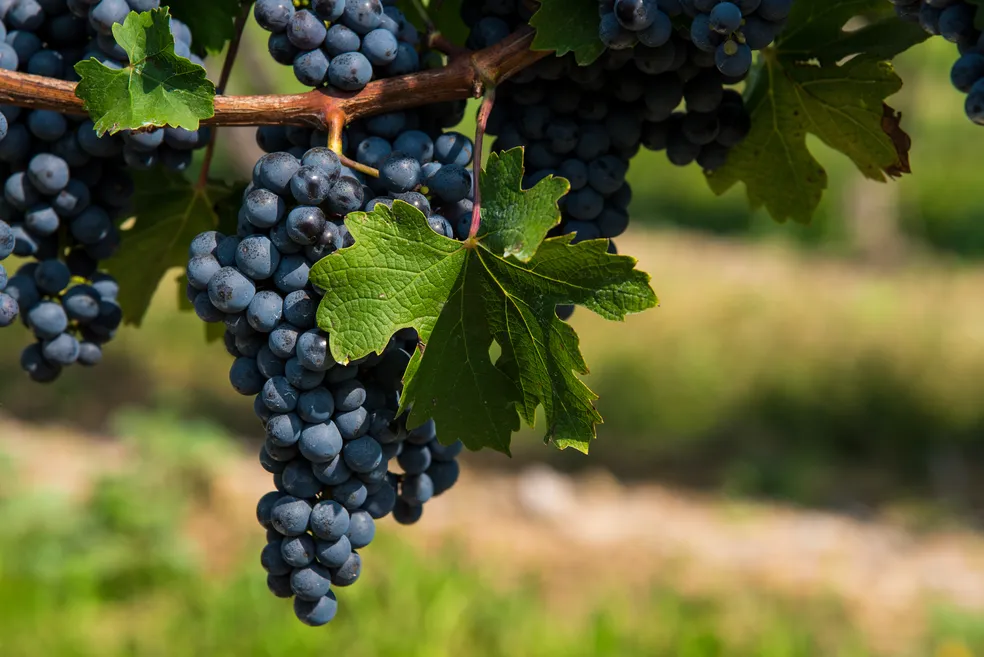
(465, 76)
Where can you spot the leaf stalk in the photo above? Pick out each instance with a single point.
(481, 123)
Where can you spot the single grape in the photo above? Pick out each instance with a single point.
(279, 585)
(417, 489)
(329, 520)
(273, 15)
(299, 480)
(320, 443)
(310, 67)
(613, 34)
(405, 513)
(417, 144)
(635, 15)
(245, 377)
(316, 406)
(274, 172)
(47, 319)
(350, 71)
(363, 16)
(333, 554)
(229, 290)
(333, 472)
(351, 494)
(305, 30)
(283, 430)
(415, 459)
(733, 59)
(325, 160)
(290, 515)
(967, 70)
(381, 503)
(300, 309)
(272, 559)
(453, 148)
(318, 612)
(346, 195)
(284, 52)
(301, 377)
(352, 424)
(328, 10)
(452, 183)
(349, 572)
(305, 224)
(380, 47)
(280, 397)
(725, 18)
(298, 551)
(362, 529)
(362, 454)
(443, 475)
(340, 40)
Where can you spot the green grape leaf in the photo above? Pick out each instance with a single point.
(447, 19)
(514, 221)
(212, 23)
(568, 26)
(832, 82)
(227, 205)
(214, 331)
(168, 213)
(158, 88)
(463, 296)
(445, 15)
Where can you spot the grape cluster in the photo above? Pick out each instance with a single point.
(728, 30)
(343, 43)
(418, 163)
(64, 187)
(954, 21)
(585, 123)
(331, 429)
(415, 166)
(324, 511)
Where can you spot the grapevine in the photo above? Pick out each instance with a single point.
(360, 280)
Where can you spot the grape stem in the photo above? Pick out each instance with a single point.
(481, 122)
(224, 76)
(358, 166)
(336, 124)
(463, 77)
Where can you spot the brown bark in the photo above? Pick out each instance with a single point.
(464, 77)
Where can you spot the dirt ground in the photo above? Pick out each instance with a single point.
(560, 528)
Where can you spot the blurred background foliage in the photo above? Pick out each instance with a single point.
(837, 365)
(149, 562)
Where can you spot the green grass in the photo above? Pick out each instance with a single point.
(117, 575)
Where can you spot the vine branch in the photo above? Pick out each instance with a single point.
(463, 77)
